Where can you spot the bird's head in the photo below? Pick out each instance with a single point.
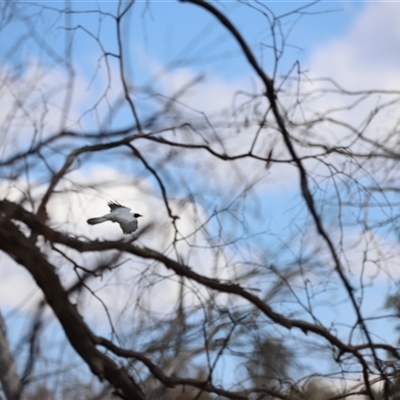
(137, 215)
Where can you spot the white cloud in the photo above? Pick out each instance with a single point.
(366, 56)
(363, 58)
(84, 195)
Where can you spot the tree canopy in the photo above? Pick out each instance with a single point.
(266, 262)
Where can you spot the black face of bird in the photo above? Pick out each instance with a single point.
(137, 215)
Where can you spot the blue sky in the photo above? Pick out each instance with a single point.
(165, 36)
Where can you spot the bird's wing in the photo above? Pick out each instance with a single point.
(116, 206)
(129, 226)
(122, 214)
(126, 220)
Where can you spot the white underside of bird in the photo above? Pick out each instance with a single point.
(120, 214)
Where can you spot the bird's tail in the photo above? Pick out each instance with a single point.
(94, 221)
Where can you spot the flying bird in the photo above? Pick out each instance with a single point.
(127, 221)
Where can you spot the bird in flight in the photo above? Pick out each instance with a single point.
(127, 221)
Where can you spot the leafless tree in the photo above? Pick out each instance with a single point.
(223, 292)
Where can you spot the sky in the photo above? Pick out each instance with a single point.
(170, 44)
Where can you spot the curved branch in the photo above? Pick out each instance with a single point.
(82, 339)
(12, 210)
(272, 97)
